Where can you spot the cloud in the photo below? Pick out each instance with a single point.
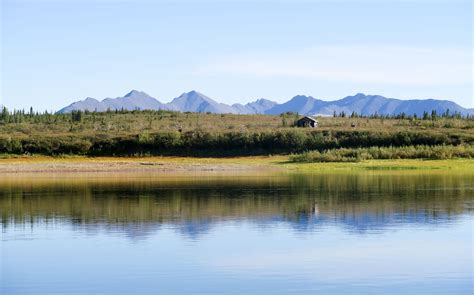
(360, 64)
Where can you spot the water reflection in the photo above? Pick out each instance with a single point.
(139, 207)
(262, 234)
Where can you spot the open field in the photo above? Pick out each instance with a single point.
(136, 122)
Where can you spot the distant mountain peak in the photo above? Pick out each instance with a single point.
(134, 93)
(194, 92)
(301, 97)
(194, 101)
(263, 100)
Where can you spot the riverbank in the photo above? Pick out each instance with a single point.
(78, 164)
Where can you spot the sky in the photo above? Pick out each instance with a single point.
(59, 51)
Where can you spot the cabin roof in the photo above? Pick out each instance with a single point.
(308, 118)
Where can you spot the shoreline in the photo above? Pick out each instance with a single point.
(72, 165)
(81, 164)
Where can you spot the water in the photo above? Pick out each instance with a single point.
(363, 233)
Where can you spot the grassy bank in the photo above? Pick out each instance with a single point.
(63, 166)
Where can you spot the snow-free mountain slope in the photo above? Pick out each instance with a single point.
(134, 100)
(90, 104)
(371, 104)
(194, 101)
(259, 106)
(306, 105)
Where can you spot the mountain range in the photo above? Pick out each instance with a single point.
(194, 101)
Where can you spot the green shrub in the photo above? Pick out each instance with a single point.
(407, 152)
(167, 140)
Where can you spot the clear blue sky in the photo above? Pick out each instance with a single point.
(57, 52)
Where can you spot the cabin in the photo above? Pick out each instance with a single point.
(307, 121)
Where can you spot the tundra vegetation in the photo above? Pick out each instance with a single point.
(341, 137)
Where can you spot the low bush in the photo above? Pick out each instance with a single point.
(406, 152)
(289, 140)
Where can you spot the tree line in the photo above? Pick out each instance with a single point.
(433, 115)
(20, 116)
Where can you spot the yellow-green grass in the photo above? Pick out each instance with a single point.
(466, 165)
(279, 162)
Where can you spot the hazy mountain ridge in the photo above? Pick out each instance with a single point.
(134, 100)
(259, 106)
(307, 105)
(194, 101)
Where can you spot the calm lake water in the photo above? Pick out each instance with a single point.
(364, 233)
